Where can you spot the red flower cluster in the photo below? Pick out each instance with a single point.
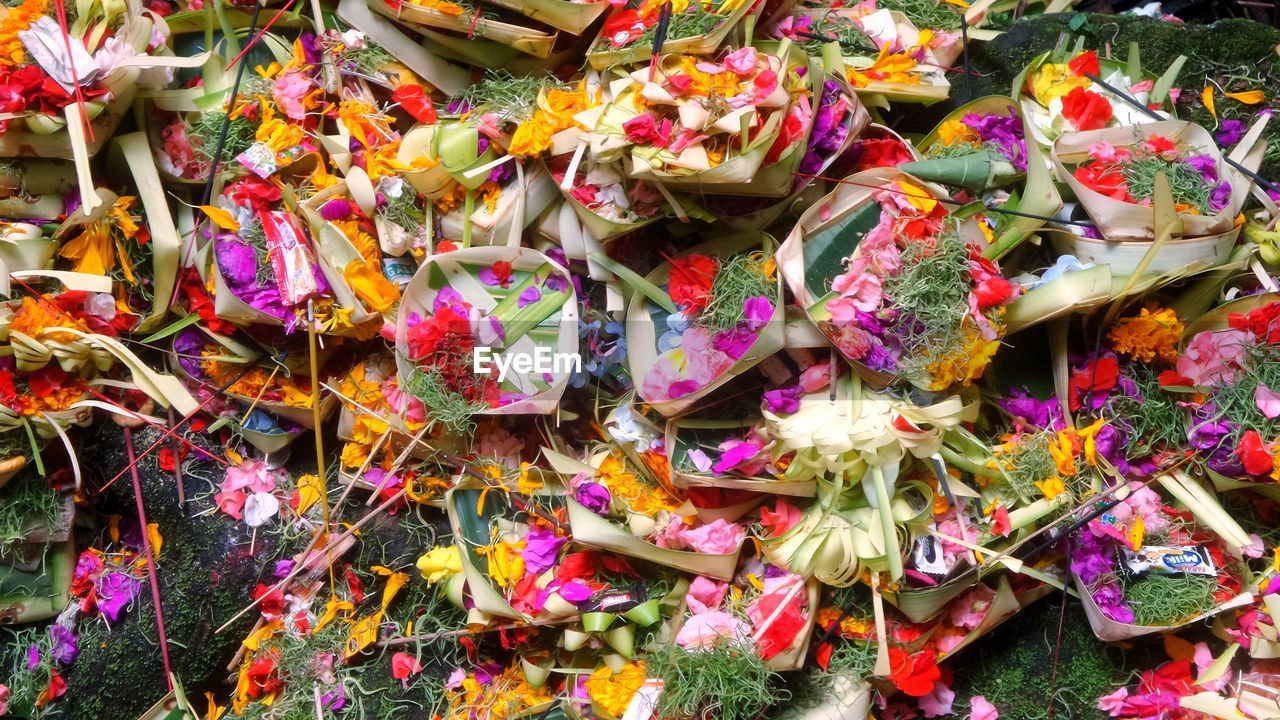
(914, 674)
(1104, 178)
(1086, 63)
(1263, 322)
(625, 26)
(416, 102)
(444, 331)
(1254, 454)
(72, 302)
(264, 677)
(785, 628)
(989, 286)
(1093, 378)
(691, 281)
(886, 152)
(198, 301)
(270, 600)
(1086, 110)
(251, 190)
(28, 87)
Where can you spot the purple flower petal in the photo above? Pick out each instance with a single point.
(541, 548)
(1004, 132)
(1230, 132)
(65, 647)
(594, 497)
(529, 296)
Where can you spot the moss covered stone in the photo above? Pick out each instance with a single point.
(206, 573)
(1013, 666)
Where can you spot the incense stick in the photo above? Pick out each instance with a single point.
(299, 567)
(151, 559)
(659, 37)
(187, 418)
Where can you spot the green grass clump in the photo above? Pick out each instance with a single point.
(444, 405)
(1030, 464)
(931, 295)
(1169, 599)
(696, 21)
(1235, 401)
(728, 682)
(513, 98)
(207, 128)
(738, 279)
(925, 13)
(1186, 185)
(26, 503)
(368, 60)
(1153, 420)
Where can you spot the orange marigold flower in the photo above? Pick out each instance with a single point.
(1152, 334)
(20, 18)
(34, 317)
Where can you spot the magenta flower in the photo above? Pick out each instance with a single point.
(575, 591)
(783, 401)
(541, 548)
(736, 456)
(338, 209)
(116, 591)
(757, 311)
(735, 342)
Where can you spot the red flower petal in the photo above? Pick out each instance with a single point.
(416, 102)
(1253, 454)
(1086, 110)
(1085, 62)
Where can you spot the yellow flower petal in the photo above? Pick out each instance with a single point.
(1207, 96)
(440, 563)
(157, 540)
(375, 290)
(221, 218)
(1248, 97)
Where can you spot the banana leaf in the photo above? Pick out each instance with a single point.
(39, 595)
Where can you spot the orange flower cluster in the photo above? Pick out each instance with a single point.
(19, 19)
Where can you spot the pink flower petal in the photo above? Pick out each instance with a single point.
(938, 702)
(1268, 400)
(980, 709)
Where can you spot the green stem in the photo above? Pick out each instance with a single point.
(228, 32)
(468, 208)
(965, 463)
(887, 525)
(644, 287)
(35, 447)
